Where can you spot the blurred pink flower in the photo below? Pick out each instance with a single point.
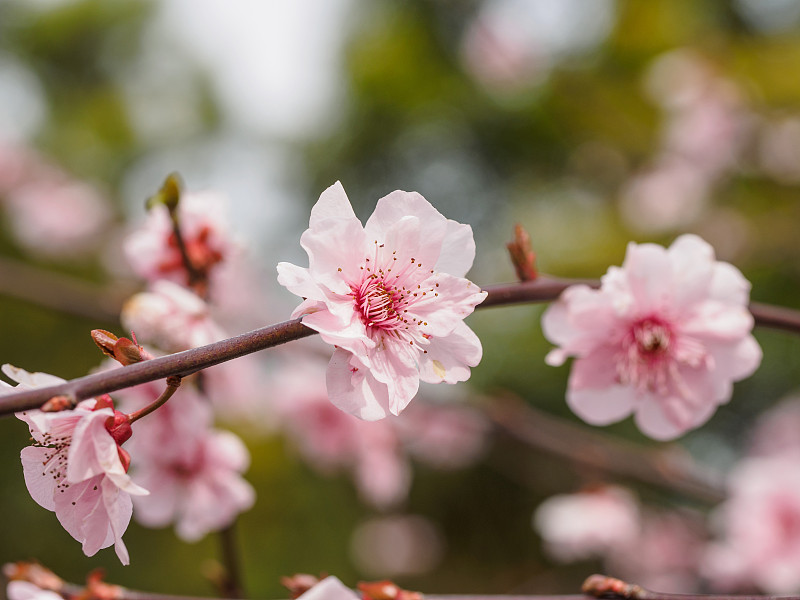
(587, 524)
(760, 527)
(390, 296)
(193, 471)
(77, 469)
(24, 590)
(152, 249)
(57, 217)
(665, 555)
(329, 588)
(664, 338)
(171, 318)
(777, 430)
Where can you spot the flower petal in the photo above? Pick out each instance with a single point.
(353, 389)
(449, 358)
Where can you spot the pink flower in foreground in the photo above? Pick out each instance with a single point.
(760, 524)
(587, 524)
(664, 338)
(390, 296)
(77, 469)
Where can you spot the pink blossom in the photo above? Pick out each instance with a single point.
(329, 588)
(664, 338)
(760, 527)
(587, 524)
(665, 555)
(57, 217)
(331, 440)
(390, 296)
(24, 590)
(192, 470)
(170, 317)
(201, 490)
(152, 249)
(77, 469)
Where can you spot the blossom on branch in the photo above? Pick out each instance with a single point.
(77, 469)
(390, 296)
(193, 471)
(663, 338)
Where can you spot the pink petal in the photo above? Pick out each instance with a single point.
(456, 299)
(728, 285)
(692, 267)
(350, 335)
(329, 588)
(119, 508)
(298, 281)
(40, 483)
(159, 508)
(650, 276)
(458, 250)
(715, 321)
(602, 406)
(449, 358)
(394, 363)
(399, 204)
(336, 251)
(333, 203)
(355, 392)
(596, 370)
(735, 361)
(83, 462)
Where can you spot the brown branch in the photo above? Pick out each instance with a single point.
(542, 289)
(668, 467)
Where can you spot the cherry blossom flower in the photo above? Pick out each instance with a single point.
(664, 338)
(24, 590)
(587, 524)
(152, 249)
(58, 217)
(330, 588)
(170, 317)
(77, 469)
(390, 296)
(760, 527)
(192, 470)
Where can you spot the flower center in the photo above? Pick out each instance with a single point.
(646, 359)
(388, 289)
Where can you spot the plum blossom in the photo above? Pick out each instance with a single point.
(152, 249)
(330, 588)
(24, 590)
(77, 469)
(170, 317)
(759, 526)
(192, 470)
(390, 296)
(377, 454)
(663, 338)
(587, 524)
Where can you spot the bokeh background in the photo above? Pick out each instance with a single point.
(590, 122)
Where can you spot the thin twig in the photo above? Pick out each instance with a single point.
(542, 289)
(173, 383)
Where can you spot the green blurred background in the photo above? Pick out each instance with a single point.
(570, 117)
